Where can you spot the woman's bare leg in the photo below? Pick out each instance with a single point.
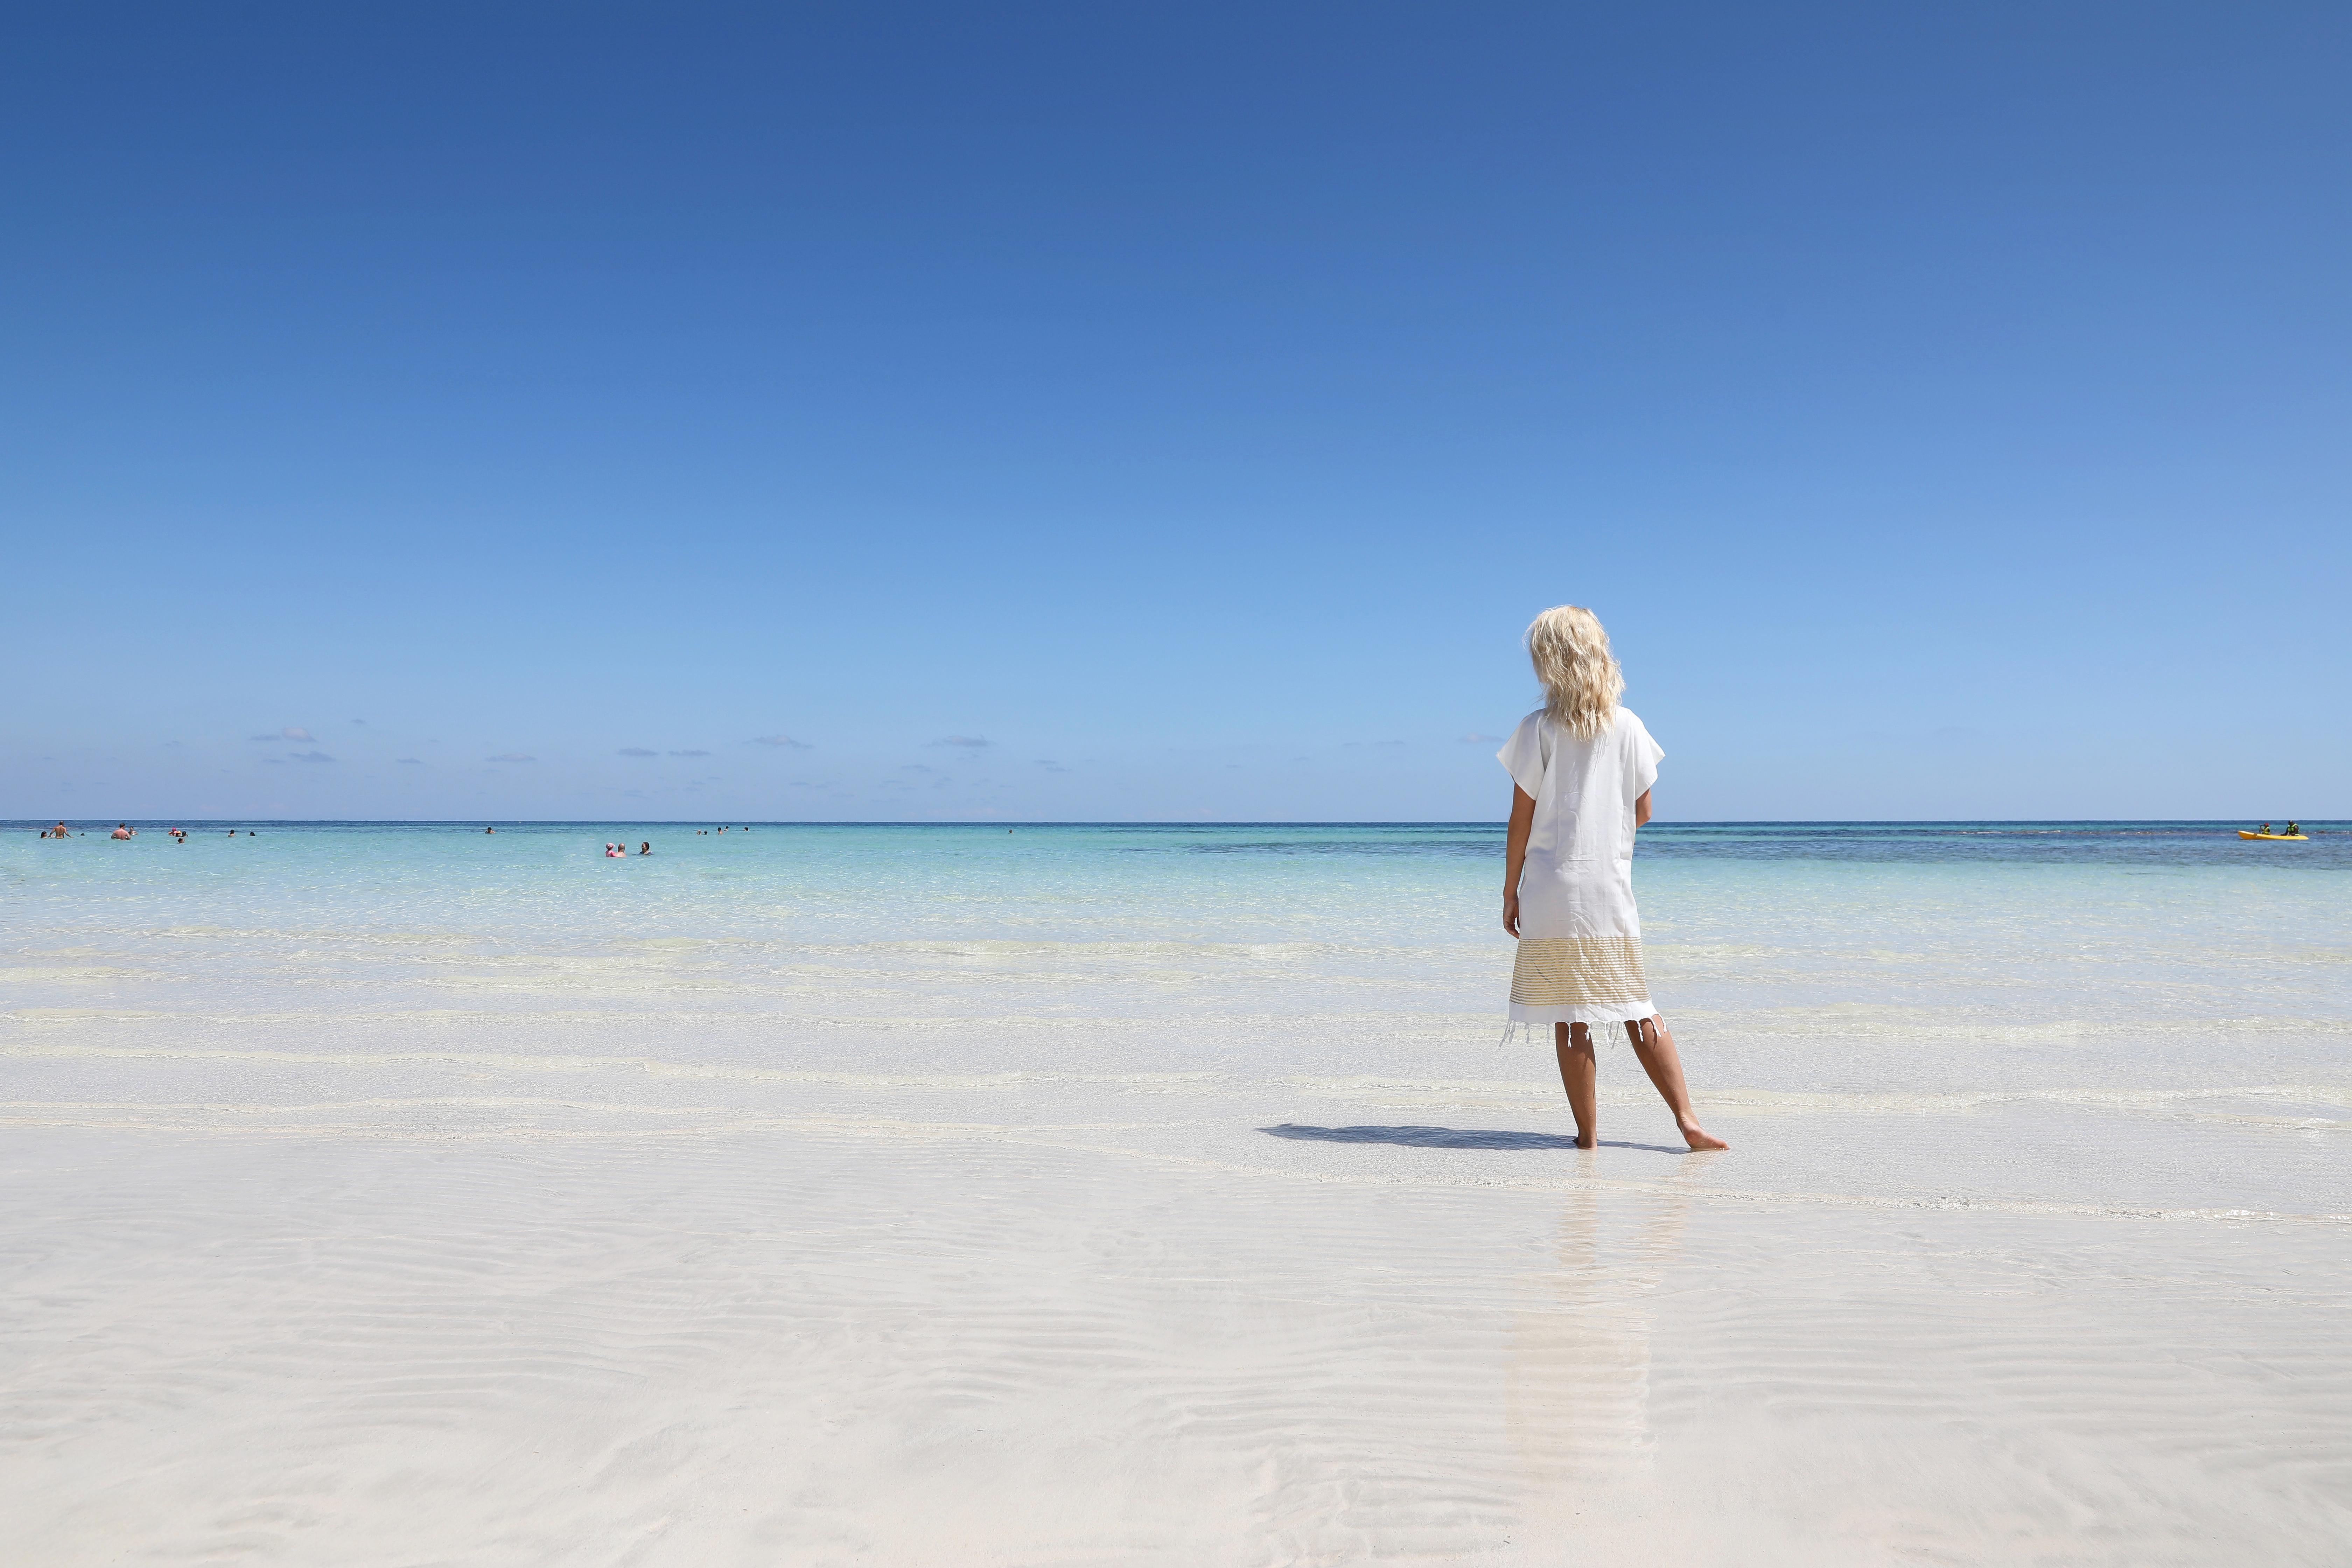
(1580, 1076)
(1656, 1046)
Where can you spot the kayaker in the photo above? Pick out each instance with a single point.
(2266, 827)
(2291, 830)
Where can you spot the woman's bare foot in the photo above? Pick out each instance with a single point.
(1587, 1141)
(1698, 1137)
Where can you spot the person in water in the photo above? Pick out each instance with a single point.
(1581, 768)
(645, 849)
(2293, 828)
(123, 830)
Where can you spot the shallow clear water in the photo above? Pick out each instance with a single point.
(2098, 985)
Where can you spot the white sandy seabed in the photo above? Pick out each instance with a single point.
(428, 1249)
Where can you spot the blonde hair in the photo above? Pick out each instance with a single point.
(1581, 681)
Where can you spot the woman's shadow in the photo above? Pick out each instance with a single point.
(1447, 1138)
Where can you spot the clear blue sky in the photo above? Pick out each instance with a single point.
(1948, 408)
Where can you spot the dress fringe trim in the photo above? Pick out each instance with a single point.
(1541, 1033)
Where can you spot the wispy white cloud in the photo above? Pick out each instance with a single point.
(689, 753)
(1476, 739)
(637, 751)
(310, 756)
(778, 741)
(419, 762)
(1051, 767)
(972, 742)
(510, 757)
(295, 732)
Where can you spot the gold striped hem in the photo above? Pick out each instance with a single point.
(1578, 972)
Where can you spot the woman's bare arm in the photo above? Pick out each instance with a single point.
(1641, 810)
(1515, 855)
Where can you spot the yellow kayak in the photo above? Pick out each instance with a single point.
(2277, 837)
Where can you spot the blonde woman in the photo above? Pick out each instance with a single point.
(1581, 768)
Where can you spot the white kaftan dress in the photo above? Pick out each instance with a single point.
(1579, 957)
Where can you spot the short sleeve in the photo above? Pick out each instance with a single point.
(1647, 755)
(1522, 755)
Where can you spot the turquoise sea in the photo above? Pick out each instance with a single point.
(2117, 978)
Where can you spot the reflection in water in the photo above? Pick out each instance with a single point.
(1578, 1389)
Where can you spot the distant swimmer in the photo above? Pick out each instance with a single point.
(58, 832)
(645, 849)
(490, 830)
(123, 830)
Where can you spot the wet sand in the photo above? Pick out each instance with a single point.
(381, 1338)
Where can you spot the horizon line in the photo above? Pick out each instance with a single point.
(1136, 822)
